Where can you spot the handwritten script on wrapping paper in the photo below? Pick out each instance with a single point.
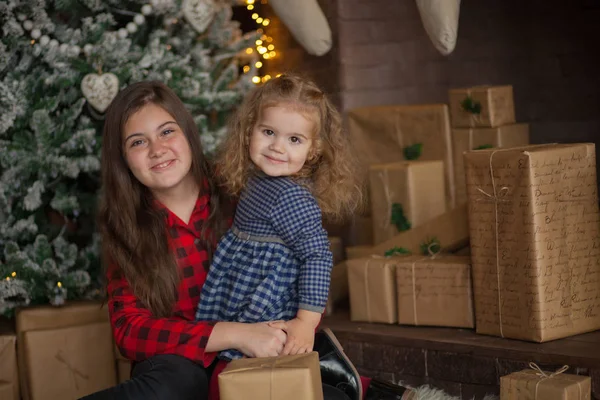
(535, 239)
(438, 291)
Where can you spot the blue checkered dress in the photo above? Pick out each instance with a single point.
(274, 260)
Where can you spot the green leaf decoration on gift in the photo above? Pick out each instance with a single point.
(470, 105)
(413, 152)
(396, 251)
(399, 219)
(484, 146)
(431, 246)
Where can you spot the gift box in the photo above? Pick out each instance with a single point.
(533, 218)
(450, 230)
(338, 288)
(354, 252)
(475, 138)
(58, 339)
(337, 249)
(435, 291)
(9, 378)
(296, 377)
(7, 391)
(385, 134)
(405, 195)
(372, 286)
(482, 106)
(535, 384)
(360, 231)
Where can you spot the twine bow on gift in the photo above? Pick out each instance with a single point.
(543, 375)
(473, 108)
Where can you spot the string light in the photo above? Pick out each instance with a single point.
(263, 46)
(13, 274)
(58, 284)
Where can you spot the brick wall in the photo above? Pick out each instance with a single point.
(464, 375)
(546, 48)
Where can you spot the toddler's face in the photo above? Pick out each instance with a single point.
(281, 140)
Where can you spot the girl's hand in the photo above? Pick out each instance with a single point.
(300, 335)
(261, 340)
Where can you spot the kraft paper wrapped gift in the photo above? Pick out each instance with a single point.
(381, 134)
(435, 291)
(535, 384)
(9, 379)
(473, 138)
(450, 229)
(535, 243)
(57, 339)
(354, 252)
(416, 186)
(372, 286)
(338, 288)
(360, 231)
(7, 391)
(482, 106)
(296, 377)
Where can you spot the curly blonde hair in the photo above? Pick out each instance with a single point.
(330, 166)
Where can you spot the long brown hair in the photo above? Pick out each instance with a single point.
(134, 235)
(330, 166)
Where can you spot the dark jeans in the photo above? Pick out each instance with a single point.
(171, 377)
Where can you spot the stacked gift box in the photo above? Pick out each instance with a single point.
(512, 249)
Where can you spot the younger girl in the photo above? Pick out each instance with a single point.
(288, 159)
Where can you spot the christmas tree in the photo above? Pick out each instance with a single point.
(61, 64)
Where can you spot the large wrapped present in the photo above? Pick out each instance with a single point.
(372, 286)
(477, 138)
(533, 218)
(385, 134)
(482, 106)
(435, 291)
(58, 339)
(353, 252)
(405, 195)
(9, 378)
(535, 384)
(296, 377)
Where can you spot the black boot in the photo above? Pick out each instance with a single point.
(380, 390)
(336, 369)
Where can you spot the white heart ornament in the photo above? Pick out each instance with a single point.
(199, 13)
(100, 90)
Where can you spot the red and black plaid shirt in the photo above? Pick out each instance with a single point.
(137, 332)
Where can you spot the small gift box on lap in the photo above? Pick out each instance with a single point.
(535, 384)
(296, 377)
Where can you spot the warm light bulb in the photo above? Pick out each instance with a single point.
(255, 79)
(264, 37)
(266, 56)
(272, 54)
(269, 39)
(249, 50)
(259, 30)
(32, 41)
(271, 47)
(59, 284)
(258, 42)
(250, 7)
(258, 64)
(277, 76)
(266, 22)
(13, 274)
(259, 20)
(267, 77)
(254, 16)
(8, 278)
(246, 68)
(249, 1)
(262, 50)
